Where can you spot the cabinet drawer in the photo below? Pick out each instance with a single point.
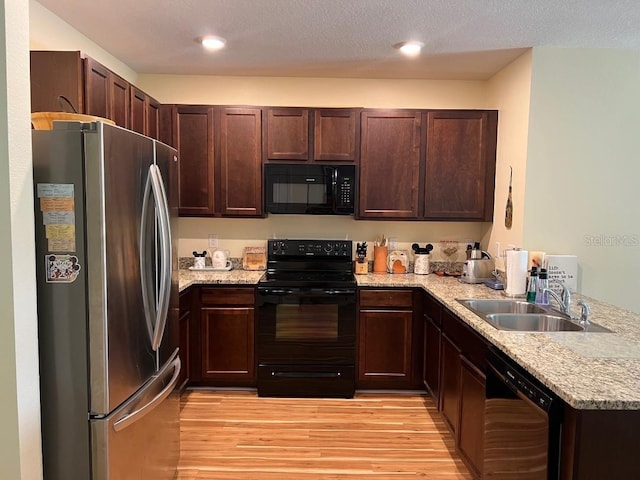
(386, 298)
(185, 300)
(227, 296)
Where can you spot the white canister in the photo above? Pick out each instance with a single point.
(421, 264)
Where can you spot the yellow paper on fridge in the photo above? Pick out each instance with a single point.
(60, 231)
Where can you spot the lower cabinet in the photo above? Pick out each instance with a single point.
(389, 340)
(450, 378)
(227, 336)
(470, 433)
(184, 328)
(431, 345)
(462, 388)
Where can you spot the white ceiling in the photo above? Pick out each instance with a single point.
(464, 39)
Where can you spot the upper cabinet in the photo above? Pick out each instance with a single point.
(92, 89)
(286, 134)
(336, 133)
(310, 135)
(460, 165)
(220, 158)
(193, 130)
(144, 116)
(389, 164)
(428, 165)
(106, 94)
(240, 162)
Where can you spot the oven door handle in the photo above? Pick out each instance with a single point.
(339, 291)
(276, 291)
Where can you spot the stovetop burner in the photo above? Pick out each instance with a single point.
(309, 263)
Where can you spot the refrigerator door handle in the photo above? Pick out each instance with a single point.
(162, 213)
(134, 416)
(147, 299)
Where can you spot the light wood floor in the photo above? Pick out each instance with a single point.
(237, 435)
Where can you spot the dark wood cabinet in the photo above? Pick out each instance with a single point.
(462, 388)
(119, 101)
(336, 132)
(450, 383)
(193, 130)
(460, 165)
(240, 162)
(54, 74)
(91, 87)
(389, 164)
(286, 134)
(153, 118)
(97, 89)
(220, 158)
(432, 347)
(227, 336)
(471, 426)
(143, 116)
(106, 94)
(184, 329)
(138, 117)
(385, 345)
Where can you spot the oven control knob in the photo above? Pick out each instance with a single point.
(328, 247)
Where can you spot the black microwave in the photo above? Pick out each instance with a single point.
(310, 189)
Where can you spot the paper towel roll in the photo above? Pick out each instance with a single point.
(516, 270)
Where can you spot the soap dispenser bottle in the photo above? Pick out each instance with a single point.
(542, 297)
(533, 285)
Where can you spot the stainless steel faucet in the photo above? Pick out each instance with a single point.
(564, 299)
(585, 312)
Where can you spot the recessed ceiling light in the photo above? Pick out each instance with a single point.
(213, 43)
(411, 48)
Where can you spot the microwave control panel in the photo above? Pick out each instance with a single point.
(346, 191)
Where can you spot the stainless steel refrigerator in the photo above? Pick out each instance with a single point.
(105, 212)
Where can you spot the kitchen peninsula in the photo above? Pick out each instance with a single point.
(597, 375)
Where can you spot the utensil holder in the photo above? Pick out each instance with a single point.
(380, 259)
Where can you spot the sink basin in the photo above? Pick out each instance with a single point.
(521, 316)
(532, 322)
(482, 306)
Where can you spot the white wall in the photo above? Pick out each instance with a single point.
(49, 32)
(20, 456)
(509, 92)
(583, 174)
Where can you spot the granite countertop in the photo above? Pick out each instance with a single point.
(588, 370)
(232, 277)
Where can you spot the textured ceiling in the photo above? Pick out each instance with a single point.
(464, 39)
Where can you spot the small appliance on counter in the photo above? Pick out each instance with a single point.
(421, 258)
(478, 270)
(397, 262)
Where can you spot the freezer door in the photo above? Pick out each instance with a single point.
(121, 357)
(141, 439)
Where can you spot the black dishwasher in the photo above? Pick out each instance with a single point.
(523, 424)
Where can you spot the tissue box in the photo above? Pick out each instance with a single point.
(562, 269)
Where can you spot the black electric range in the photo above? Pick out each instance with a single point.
(306, 320)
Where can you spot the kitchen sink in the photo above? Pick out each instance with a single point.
(532, 322)
(520, 316)
(483, 306)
